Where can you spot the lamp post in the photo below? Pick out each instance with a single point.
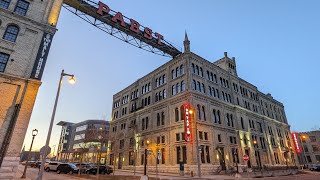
(44, 154)
(99, 152)
(146, 158)
(34, 133)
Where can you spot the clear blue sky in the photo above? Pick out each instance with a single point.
(276, 45)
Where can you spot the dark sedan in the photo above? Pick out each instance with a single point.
(67, 168)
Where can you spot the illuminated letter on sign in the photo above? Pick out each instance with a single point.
(296, 143)
(187, 122)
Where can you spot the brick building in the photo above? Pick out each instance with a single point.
(231, 117)
(26, 31)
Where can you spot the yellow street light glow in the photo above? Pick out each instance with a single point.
(254, 142)
(148, 142)
(303, 136)
(72, 80)
(190, 111)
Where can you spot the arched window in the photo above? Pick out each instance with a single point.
(181, 69)
(178, 87)
(164, 94)
(162, 118)
(199, 87)
(164, 78)
(142, 102)
(149, 100)
(193, 70)
(214, 115)
(183, 86)
(203, 114)
(145, 101)
(197, 69)
(149, 87)
(157, 82)
(181, 113)
(218, 117)
(213, 92)
(201, 72)
(215, 78)
(173, 90)
(176, 114)
(177, 72)
(160, 81)
(211, 76)
(160, 95)
(11, 33)
(217, 90)
(157, 97)
(194, 85)
(210, 92)
(208, 75)
(203, 88)
(199, 111)
(173, 73)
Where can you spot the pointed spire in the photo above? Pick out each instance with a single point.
(186, 43)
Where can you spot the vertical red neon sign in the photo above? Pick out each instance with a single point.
(296, 142)
(187, 122)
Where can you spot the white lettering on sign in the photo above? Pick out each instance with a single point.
(46, 43)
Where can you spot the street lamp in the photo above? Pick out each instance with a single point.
(146, 157)
(34, 133)
(99, 152)
(44, 153)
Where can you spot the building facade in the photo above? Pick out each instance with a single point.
(230, 118)
(83, 141)
(26, 31)
(310, 146)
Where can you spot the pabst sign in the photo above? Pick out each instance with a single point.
(187, 122)
(296, 142)
(133, 25)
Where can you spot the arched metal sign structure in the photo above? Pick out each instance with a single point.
(126, 29)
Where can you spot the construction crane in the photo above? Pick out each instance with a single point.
(126, 29)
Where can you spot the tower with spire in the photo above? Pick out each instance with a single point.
(186, 43)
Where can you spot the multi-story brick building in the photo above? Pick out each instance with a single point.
(231, 118)
(83, 141)
(26, 30)
(310, 145)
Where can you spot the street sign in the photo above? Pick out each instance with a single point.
(159, 155)
(245, 157)
(42, 150)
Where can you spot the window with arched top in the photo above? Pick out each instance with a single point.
(3, 61)
(203, 88)
(181, 69)
(176, 114)
(22, 7)
(160, 81)
(199, 111)
(197, 69)
(203, 113)
(157, 82)
(173, 90)
(201, 72)
(156, 97)
(183, 86)
(173, 73)
(214, 116)
(178, 87)
(164, 78)
(177, 72)
(193, 69)
(194, 85)
(181, 112)
(11, 33)
(199, 87)
(164, 94)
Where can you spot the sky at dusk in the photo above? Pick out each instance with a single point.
(276, 45)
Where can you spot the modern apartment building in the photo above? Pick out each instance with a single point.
(310, 145)
(191, 106)
(83, 141)
(26, 31)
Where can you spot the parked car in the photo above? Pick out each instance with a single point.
(104, 169)
(51, 166)
(67, 168)
(36, 164)
(315, 167)
(83, 167)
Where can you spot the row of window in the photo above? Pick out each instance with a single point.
(176, 72)
(21, 6)
(212, 77)
(224, 82)
(146, 88)
(161, 80)
(161, 95)
(179, 87)
(135, 94)
(125, 99)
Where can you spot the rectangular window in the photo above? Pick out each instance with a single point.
(182, 136)
(163, 155)
(4, 4)
(184, 154)
(207, 154)
(219, 138)
(200, 135)
(242, 125)
(178, 150)
(22, 7)
(177, 137)
(163, 139)
(205, 136)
